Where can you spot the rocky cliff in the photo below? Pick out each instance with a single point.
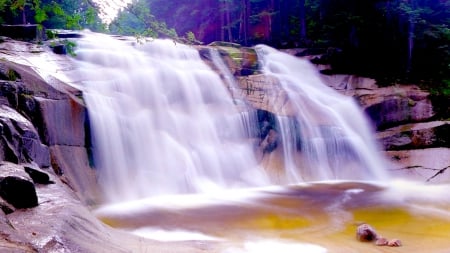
(412, 124)
(46, 179)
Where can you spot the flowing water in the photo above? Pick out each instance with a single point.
(335, 138)
(162, 121)
(174, 162)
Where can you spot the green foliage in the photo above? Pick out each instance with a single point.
(51, 34)
(64, 14)
(137, 20)
(12, 75)
(70, 46)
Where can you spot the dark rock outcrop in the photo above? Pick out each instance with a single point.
(18, 192)
(23, 32)
(396, 110)
(20, 142)
(37, 176)
(47, 117)
(416, 136)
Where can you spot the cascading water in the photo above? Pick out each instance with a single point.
(162, 121)
(326, 137)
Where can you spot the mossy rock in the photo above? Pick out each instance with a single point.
(243, 60)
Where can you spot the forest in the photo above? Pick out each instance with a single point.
(391, 40)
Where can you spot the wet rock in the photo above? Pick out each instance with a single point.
(242, 61)
(393, 106)
(270, 143)
(18, 192)
(394, 243)
(60, 49)
(6, 207)
(426, 165)
(365, 233)
(38, 177)
(19, 140)
(416, 136)
(264, 93)
(381, 241)
(62, 121)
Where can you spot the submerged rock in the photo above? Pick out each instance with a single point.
(365, 233)
(381, 241)
(394, 243)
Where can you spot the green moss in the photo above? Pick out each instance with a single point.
(12, 75)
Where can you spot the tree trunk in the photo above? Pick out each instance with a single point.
(411, 28)
(245, 15)
(222, 20)
(228, 21)
(24, 17)
(302, 18)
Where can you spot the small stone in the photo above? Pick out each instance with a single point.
(381, 241)
(394, 243)
(38, 177)
(366, 233)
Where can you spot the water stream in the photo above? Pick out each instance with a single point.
(162, 121)
(174, 162)
(330, 131)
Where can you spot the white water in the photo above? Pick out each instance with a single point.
(162, 121)
(328, 128)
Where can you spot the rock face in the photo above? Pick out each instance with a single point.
(38, 120)
(46, 179)
(406, 117)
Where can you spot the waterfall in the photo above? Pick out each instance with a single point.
(326, 136)
(162, 121)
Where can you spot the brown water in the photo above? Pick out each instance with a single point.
(319, 217)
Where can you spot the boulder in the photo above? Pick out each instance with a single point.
(37, 176)
(60, 49)
(366, 233)
(20, 141)
(396, 105)
(18, 192)
(416, 136)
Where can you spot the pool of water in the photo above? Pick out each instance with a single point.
(315, 217)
